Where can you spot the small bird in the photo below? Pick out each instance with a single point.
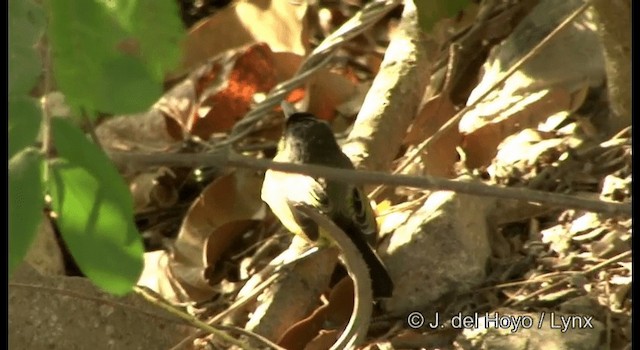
(308, 140)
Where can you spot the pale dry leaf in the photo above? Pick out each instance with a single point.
(613, 243)
(586, 222)
(620, 280)
(558, 237)
(519, 154)
(550, 82)
(145, 132)
(615, 188)
(280, 24)
(157, 277)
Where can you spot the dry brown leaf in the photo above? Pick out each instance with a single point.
(229, 198)
(323, 341)
(147, 132)
(334, 314)
(301, 333)
(219, 241)
(327, 90)
(218, 94)
(441, 156)
(153, 189)
(230, 95)
(279, 24)
(221, 212)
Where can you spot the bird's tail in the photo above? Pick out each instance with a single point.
(382, 284)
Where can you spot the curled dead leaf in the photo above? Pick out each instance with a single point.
(225, 209)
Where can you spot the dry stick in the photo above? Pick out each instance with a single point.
(362, 177)
(453, 121)
(356, 330)
(47, 131)
(157, 300)
(479, 189)
(218, 317)
(566, 280)
(253, 335)
(393, 98)
(275, 272)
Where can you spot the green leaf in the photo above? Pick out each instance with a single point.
(111, 56)
(127, 87)
(26, 201)
(26, 25)
(157, 28)
(431, 11)
(95, 211)
(82, 39)
(24, 123)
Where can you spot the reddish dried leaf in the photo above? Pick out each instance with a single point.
(327, 90)
(301, 333)
(219, 93)
(253, 71)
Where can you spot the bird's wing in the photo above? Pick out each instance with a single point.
(362, 214)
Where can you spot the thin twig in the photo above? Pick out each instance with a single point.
(252, 335)
(362, 177)
(157, 300)
(236, 305)
(318, 58)
(47, 138)
(566, 280)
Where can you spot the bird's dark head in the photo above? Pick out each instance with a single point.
(309, 135)
(306, 126)
(299, 119)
